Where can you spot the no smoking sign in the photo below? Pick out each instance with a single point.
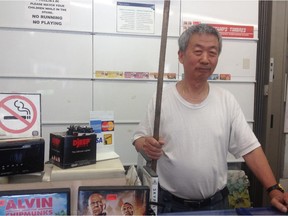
(20, 115)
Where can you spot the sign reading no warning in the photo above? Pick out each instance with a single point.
(20, 115)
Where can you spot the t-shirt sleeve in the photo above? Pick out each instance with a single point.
(145, 127)
(242, 138)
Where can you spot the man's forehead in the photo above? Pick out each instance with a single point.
(96, 197)
(199, 38)
(127, 204)
(204, 41)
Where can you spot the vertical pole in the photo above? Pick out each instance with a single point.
(160, 74)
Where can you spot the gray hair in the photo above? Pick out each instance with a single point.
(183, 40)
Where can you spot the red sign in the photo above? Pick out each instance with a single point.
(227, 31)
(235, 31)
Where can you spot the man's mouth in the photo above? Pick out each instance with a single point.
(204, 69)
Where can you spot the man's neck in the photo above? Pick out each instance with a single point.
(193, 92)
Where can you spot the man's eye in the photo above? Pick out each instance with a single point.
(213, 54)
(197, 52)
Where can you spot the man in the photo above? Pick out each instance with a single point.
(127, 209)
(96, 204)
(200, 124)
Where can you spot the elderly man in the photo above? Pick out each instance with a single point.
(200, 124)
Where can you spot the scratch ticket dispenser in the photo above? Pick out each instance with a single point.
(20, 115)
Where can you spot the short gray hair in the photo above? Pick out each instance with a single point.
(183, 40)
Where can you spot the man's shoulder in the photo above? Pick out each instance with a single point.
(168, 88)
(220, 90)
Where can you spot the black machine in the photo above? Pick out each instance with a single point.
(21, 156)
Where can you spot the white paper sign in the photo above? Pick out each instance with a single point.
(135, 17)
(20, 115)
(48, 13)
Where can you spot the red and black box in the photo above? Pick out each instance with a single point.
(67, 151)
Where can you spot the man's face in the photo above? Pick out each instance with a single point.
(127, 209)
(201, 57)
(96, 205)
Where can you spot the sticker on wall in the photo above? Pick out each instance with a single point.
(225, 76)
(136, 75)
(214, 77)
(132, 75)
(20, 115)
(109, 74)
(220, 77)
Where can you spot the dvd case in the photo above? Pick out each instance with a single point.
(55, 201)
(113, 200)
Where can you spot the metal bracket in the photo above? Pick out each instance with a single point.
(266, 90)
(271, 70)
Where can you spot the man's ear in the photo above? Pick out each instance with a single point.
(180, 56)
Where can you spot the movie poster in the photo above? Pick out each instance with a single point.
(105, 202)
(35, 204)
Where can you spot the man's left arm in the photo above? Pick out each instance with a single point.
(258, 164)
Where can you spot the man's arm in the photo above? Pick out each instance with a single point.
(258, 164)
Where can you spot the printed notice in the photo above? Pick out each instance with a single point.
(50, 13)
(135, 17)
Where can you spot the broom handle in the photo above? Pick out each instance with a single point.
(160, 74)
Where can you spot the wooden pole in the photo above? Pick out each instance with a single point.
(160, 74)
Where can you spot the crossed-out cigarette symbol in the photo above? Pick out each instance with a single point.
(21, 108)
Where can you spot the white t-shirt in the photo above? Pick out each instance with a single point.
(197, 140)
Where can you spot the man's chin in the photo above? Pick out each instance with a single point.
(96, 212)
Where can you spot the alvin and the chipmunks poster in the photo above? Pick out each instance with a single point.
(35, 202)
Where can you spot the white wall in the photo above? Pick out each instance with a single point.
(60, 61)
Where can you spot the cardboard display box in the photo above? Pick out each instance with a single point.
(67, 151)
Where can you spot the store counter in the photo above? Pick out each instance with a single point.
(107, 169)
(237, 211)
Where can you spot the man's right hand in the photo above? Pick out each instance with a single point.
(150, 146)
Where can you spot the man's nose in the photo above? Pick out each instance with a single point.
(204, 58)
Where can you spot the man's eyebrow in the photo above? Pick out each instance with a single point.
(202, 46)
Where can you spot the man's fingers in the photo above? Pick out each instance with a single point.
(279, 205)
